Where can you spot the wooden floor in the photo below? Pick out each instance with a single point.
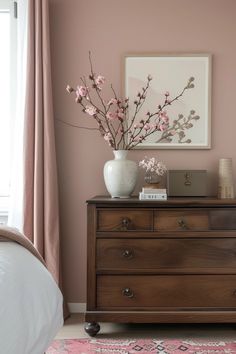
(74, 328)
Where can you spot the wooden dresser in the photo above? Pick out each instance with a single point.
(161, 261)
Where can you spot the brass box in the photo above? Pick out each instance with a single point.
(187, 183)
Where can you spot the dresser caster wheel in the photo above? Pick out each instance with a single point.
(92, 328)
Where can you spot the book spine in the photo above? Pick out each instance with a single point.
(144, 196)
(154, 191)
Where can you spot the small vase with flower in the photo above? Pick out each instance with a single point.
(154, 170)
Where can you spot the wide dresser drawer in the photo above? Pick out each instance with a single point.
(167, 255)
(163, 291)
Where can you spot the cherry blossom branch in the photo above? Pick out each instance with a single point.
(112, 117)
(100, 80)
(167, 102)
(123, 122)
(140, 102)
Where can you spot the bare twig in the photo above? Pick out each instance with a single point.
(74, 125)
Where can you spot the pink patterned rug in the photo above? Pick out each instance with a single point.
(141, 346)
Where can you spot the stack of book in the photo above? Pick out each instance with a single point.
(153, 194)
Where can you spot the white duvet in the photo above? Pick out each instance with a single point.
(30, 302)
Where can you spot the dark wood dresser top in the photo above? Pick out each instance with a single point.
(177, 201)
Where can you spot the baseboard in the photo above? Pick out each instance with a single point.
(77, 307)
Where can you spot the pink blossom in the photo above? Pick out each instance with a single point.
(152, 125)
(165, 119)
(112, 101)
(121, 116)
(163, 127)
(81, 91)
(120, 113)
(141, 123)
(147, 126)
(163, 113)
(107, 136)
(167, 93)
(69, 89)
(78, 99)
(136, 139)
(138, 125)
(100, 80)
(111, 115)
(90, 110)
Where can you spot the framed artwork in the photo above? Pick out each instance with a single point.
(189, 115)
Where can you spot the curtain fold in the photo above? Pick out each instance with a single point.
(40, 189)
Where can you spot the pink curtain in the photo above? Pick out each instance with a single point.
(41, 209)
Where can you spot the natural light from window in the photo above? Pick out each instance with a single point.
(5, 120)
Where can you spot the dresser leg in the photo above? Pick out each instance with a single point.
(92, 328)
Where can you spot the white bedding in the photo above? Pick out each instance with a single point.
(30, 302)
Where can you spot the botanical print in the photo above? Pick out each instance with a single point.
(188, 118)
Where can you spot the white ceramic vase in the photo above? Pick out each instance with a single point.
(120, 175)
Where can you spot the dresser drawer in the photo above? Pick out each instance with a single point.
(181, 220)
(124, 220)
(223, 219)
(167, 255)
(157, 291)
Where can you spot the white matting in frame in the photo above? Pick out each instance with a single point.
(170, 73)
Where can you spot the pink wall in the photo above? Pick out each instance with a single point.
(111, 28)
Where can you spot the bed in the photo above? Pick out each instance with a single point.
(30, 301)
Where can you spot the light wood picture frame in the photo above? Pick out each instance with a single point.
(170, 73)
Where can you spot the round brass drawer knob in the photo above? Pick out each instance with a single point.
(127, 254)
(125, 222)
(127, 292)
(182, 224)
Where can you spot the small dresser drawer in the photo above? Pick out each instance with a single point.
(124, 220)
(223, 219)
(181, 220)
(173, 255)
(158, 291)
